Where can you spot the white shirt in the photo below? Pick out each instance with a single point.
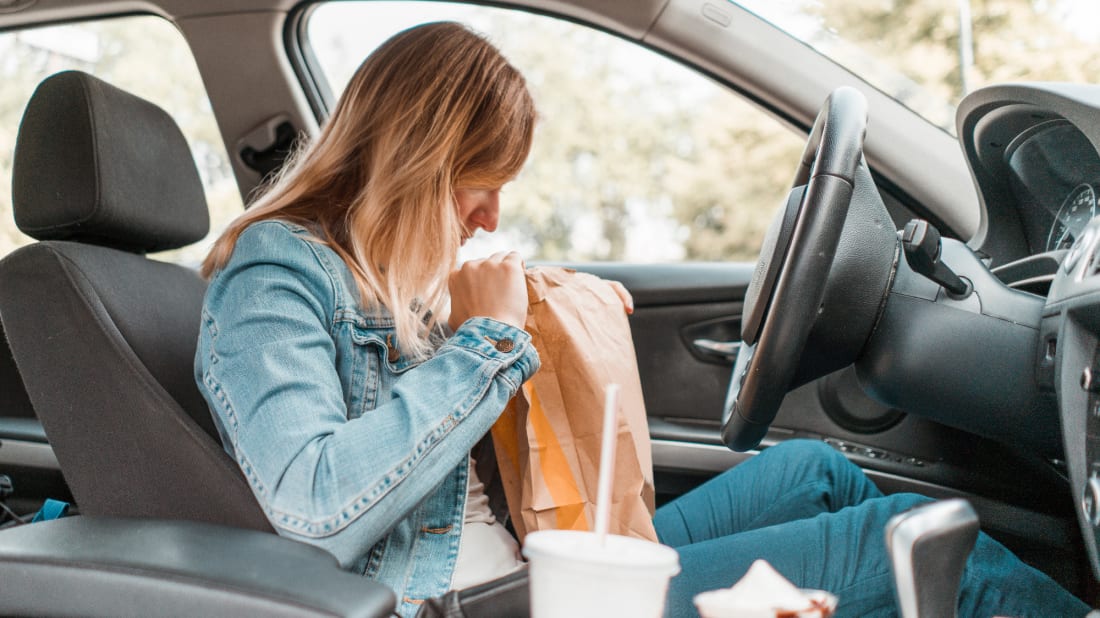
(487, 550)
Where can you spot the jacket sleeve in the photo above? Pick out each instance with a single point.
(266, 363)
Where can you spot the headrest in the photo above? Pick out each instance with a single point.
(99, 165)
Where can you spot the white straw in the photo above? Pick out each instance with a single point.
(607, 461)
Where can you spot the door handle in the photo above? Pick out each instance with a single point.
(725, 350)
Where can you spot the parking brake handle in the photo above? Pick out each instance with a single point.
(928, 548)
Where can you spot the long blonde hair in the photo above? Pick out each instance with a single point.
(434, 108)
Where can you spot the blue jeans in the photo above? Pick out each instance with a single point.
(820, 522)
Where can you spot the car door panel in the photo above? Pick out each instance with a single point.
(675, 304)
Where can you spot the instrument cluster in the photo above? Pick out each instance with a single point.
(1055, 173)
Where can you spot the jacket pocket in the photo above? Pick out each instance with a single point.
(383, 342)
(378, 363)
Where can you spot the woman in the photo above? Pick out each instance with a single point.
(352, 406)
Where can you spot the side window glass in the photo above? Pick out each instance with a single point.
(144, 55)
(636, 158)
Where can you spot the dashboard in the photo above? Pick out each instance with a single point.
(1033, 152)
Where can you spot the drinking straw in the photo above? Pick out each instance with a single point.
(607, 461)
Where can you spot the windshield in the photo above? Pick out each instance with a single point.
(928, 54)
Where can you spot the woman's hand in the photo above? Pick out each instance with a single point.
(493, 287)
(624, 295)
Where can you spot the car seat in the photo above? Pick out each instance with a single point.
(104, 337)
(14, 402)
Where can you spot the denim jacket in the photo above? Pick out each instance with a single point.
(346, 444)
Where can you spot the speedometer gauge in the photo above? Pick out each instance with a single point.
(1076, 211)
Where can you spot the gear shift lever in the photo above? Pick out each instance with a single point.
(928, 547)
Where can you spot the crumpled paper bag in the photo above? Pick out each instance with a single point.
(547, 440)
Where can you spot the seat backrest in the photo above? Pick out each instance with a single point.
(14, 402)
(103, 337)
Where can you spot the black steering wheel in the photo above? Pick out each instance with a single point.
(788, 285)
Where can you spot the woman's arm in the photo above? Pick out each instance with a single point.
(267, 365)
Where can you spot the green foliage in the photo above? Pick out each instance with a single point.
(1013, 40)
(634, 149)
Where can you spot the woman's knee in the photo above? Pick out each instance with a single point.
(810, 452)
(788, 464)
(796, 464)
(902, 502)
(811, 460)
(810, 448)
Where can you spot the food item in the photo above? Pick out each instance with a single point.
(764, 593)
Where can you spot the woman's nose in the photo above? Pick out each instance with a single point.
(487, 215)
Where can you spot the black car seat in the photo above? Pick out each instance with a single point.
(14, 402)
(103, 337)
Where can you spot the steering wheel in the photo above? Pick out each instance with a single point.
(788, 285)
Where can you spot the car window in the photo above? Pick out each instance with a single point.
(636, 158)
(144, 55)
(928, 54)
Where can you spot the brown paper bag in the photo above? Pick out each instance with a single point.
(547, 440)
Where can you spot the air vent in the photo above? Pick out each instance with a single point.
(1032, 274)
(1035, 285)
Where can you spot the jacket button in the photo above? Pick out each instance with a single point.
(505, 345)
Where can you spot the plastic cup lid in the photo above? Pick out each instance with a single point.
(582, 547)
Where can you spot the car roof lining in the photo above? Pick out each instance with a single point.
(632, 18)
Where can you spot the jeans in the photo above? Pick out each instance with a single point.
(820, 522)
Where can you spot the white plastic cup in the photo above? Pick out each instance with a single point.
(573, 575)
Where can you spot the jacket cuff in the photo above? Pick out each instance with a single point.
(495, 340)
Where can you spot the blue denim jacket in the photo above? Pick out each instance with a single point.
(346, 444)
